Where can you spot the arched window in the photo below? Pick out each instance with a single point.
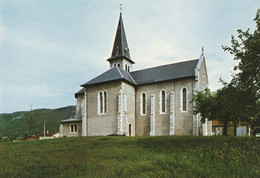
(105, 102)
(143, 104)
(101, 102)
(184, 99)
(163, 102)
(114, 65)
(125, 67)
(118, 65)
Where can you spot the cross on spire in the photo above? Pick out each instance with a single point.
(202, 50)
(120, 9)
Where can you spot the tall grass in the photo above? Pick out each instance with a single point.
(132, 157)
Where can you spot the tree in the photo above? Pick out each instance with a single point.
(246, 80)
(246, 50)
(222, 105)
(204, 103)
(237, 101)
(214, 106)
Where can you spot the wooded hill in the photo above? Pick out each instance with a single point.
(16, 124)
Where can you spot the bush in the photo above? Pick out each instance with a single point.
(5, 139)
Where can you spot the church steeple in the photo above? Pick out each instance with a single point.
(120, 49)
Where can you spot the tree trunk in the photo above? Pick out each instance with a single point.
(225, 128)
(235, 128)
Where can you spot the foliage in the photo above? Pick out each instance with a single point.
(239, 100)
(246, 50)
(204, 104)
(132, 157)
(214, 106)
(246, 80)
(15, 125)
(225, 105)
(5, 139)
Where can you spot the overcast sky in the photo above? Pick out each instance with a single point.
(49, 48)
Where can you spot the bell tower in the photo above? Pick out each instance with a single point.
(120, 56)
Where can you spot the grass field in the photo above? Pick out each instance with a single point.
(132, 157)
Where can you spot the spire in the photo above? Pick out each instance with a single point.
(120, 48)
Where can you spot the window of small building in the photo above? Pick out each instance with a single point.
(118, 65)
(74, 128)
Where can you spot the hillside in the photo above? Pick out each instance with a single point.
(132, 157)
(15, 124)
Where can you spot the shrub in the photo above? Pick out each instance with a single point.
(5, 139)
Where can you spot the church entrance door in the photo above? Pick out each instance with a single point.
(129, 129)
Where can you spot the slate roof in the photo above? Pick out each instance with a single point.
(120, 47)
(80, 92)
(112, 74)
(165, 72)
(151, 75)
(76, 119)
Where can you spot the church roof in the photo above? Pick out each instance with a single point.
(112, 74)
(80, 92)
(151, 75)
(120, 48)
(165, 73)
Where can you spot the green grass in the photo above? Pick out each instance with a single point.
(132, 157)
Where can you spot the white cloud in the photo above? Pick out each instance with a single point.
(49, 49)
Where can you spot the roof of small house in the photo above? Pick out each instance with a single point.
(74, 119)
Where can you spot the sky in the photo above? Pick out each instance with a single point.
(49, 48)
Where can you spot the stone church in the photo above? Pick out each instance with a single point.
(149, 102)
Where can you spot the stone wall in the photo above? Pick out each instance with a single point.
(183, 120)
(106, 124)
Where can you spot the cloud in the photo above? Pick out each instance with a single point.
(48, 49)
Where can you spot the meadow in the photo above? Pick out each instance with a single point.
(118, 156)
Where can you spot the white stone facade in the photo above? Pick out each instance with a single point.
(124, 115)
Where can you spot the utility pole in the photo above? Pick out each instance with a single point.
(30, 122)
(44, 130)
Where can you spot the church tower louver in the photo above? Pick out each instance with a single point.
(120, 56)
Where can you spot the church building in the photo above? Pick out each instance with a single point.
(149, 102)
